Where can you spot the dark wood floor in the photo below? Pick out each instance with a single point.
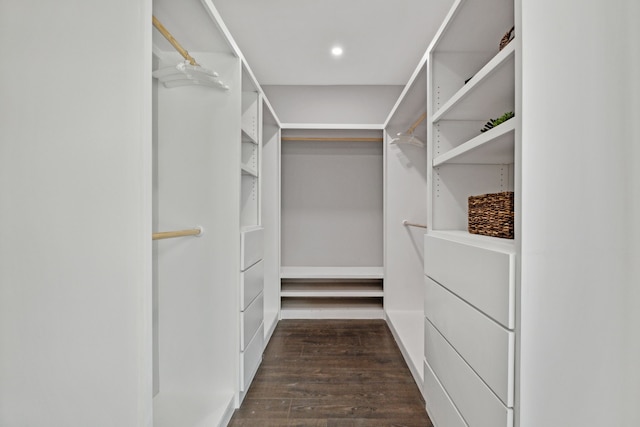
(332, 373)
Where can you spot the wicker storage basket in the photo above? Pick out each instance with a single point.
(492, 214)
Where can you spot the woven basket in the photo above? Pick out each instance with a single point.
(492, 214)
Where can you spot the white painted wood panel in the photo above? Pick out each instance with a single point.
(251, 246)
(485, 345)
(479, 406)
(251, 284)
(251, 358)
(487, 280)
(250, 321)
(331, 272)
(75, 184)
(440, 408)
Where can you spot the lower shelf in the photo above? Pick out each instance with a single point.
(332, 308)
(331, 288)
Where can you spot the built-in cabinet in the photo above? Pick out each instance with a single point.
(470, 280)
(251, 282)
(209, 292)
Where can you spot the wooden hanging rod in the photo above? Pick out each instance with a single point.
(326, 139)
(167, 35)
(180, 233)
(411, 224)
(417, 123)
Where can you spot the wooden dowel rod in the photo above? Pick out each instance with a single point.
(417, 123)
(405, 222)
(180, 233)
(167, 35)
(342, 139)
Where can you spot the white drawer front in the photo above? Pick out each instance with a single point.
(251, 284)
(484, 278)
(473, 399)
(441, 410)
(486, 346)
(251, 247)
(250, 359)
(250, 321)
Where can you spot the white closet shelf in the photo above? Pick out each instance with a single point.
(495, 146)
(486, 242)
(247, 170)
(331, 290)
(332, 308)
(248, 135)
(490, 91)
(331, 272)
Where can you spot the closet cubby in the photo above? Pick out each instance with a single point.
(331, 223)
(406, 200)
(250, 155)
(195, 379)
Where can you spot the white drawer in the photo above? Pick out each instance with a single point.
(474, 400)
(250, 321)
(251, 246)
(486, 346)
(251, 284)
(250, 359)
(483, 277)
(440, 408)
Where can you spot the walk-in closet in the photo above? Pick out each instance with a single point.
(221, 212)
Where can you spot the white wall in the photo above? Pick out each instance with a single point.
(75, 179)
(332, 104)
(579, 324)
(632, 310)
(332, 203)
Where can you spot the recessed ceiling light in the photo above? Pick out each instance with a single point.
(336, 51)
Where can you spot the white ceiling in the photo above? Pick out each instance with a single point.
(288, 42)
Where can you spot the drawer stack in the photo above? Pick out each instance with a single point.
(251, 305)
(469, 333)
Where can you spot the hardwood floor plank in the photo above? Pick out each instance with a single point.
(332, 373)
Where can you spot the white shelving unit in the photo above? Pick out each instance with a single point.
(252, 329)
(470, 329)
(196, 183)
(209, 303)
(332, 292)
